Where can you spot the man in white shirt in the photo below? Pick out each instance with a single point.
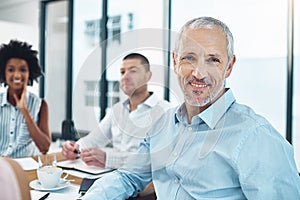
(122, 129)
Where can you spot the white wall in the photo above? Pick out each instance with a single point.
(21, 32)
(20, 11)
(19, 20)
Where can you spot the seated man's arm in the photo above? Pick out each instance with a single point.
(100, 136)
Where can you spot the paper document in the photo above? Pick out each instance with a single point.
(69, 193)
(27, 163)
(78, 164)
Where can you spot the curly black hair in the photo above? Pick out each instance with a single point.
(22, 50)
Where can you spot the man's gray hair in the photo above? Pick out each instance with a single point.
(208, 23)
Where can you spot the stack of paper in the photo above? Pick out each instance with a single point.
(27, 163)
(78, 164)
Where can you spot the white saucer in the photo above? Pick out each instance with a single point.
(35, 184)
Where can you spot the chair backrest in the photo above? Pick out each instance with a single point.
(13, 180)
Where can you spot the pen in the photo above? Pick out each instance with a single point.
(45, 196)
(77, 151)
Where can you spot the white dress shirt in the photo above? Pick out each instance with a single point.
(120, 132)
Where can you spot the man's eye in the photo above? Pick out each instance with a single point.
(214, 60)
(188, 58)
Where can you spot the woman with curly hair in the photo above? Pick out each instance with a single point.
(24, 126)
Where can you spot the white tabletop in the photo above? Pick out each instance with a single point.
(68, 193)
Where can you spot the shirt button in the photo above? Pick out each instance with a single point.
(190, 128)
(176, 180)
(11, 132)
(175, 154)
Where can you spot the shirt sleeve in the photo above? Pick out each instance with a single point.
(266, 166)
(100, 136)
(126, 182)
(115, 160)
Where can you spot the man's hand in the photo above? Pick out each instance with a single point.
(70, 150)
(93, 156)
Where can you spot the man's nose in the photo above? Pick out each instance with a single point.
(199, 71)
(125, 75)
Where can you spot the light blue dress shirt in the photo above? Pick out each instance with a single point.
(227, 153)
(15, 139)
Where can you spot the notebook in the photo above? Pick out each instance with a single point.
(79, 165)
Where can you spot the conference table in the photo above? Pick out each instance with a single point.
(147, 194)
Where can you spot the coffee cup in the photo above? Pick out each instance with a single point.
(49, 176)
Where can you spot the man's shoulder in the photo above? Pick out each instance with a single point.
(118, 105)
(247, 118)
(164, 111)
(161, 107)
(245, 112)
(164, 103)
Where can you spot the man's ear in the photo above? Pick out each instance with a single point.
(174, 62)
(230, 66)
(149, 75)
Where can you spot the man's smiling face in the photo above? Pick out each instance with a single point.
(201, 65)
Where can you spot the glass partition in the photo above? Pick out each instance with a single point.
(296, 97)
(86, 63)
(55, 59)
(132, 28)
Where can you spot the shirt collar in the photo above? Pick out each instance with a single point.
(151, 101)
(180, 113)
(4, 97)
(213, 113)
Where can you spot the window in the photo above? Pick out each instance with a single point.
(126, 23)
(56, 62)
(91, 93)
